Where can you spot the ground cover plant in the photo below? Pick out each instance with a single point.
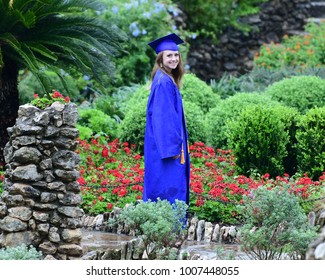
(111, 174)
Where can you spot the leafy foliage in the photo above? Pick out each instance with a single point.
(275, 225)
(160, 224)
(56, 34)
(198, 92)
(140, 20)
(301, 92)
(259, 139)
(310, 142)
(21, 252)
(258, 79)
(226, 110)
(210, 17)
(300, 50)
(98, 122)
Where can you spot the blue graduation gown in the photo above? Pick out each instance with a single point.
(165, 136)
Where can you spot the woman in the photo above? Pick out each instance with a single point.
(167, 163)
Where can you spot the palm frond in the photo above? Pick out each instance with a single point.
(56, 34)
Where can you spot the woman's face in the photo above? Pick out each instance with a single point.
(170, 60)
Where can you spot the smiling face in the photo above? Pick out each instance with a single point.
(170, 60)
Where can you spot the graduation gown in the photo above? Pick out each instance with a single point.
(165, 137)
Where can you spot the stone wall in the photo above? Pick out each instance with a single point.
(234, 52)
(39, 206)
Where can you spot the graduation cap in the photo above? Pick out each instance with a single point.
(167, 43)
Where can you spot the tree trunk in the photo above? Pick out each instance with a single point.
(9, 101)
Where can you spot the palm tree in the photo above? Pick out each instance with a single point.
(54, 35)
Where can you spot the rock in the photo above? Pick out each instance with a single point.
(200, 230)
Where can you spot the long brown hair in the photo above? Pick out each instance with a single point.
(177, 73)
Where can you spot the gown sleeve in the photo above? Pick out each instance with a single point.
(165, 120)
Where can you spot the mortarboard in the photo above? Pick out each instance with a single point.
(169, 42)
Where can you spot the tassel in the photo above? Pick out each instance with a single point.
(182, 156)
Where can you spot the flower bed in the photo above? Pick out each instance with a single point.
(112, 175)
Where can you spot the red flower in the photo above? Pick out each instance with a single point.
(35, 95)
(56, 94)
(266, 176)
(105, 152)
(82, 181)
(109, 206)
(122, 192)
(67, 99)
(100, 198)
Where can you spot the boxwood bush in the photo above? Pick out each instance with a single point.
(198, 92)
(97, 121)
(227, 109)
(311, 142)
(301, 92)
(259, 140)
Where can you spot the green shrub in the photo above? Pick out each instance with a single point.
(132, 128)
(98, 122)
(259, 78)
(259, 140)
(275, 225)
(21, 252)
(289, 117)
(311, 142)
(194, 122)
(227, 109)
(198, 92)
(307, 50)
(85, 133)
(161, 225)
(301, 92)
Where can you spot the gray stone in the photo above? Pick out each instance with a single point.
(69, 132)
(26, 173)
(192, 229)
(54, 235)
(46, 164)
(51, 131)
(3, 209)
(27, 155)
(216, 233)
(70, 114)
(48, 248)
(11, 224)
(57, 186)
(41, 216)
(48, 197)
(320, 252)
(73, 212)
(43, 229)
(67, 176)
(66, 160)
(208, 231)
(15, 239)
(23, 141)
(72, 235)
(41, 118)
(200, 230)
(21, 213)
(70, 249)
(24, 190)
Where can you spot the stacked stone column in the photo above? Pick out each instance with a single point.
(40, 204)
